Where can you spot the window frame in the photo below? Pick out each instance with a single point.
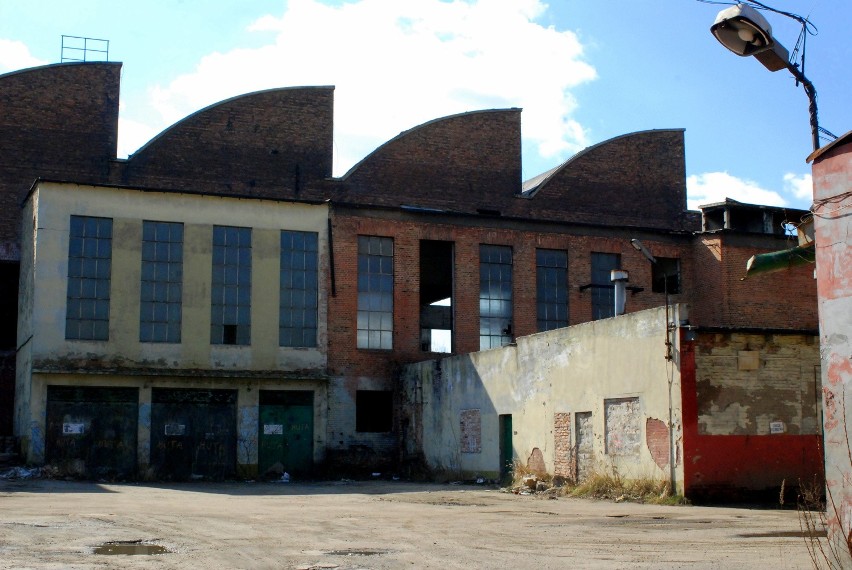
(161, 282)
(298, 302)
(89, 284)
(231, 286)
(496, 295)
(375, 279)
(553, 274)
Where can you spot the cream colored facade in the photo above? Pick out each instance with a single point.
(46, 358)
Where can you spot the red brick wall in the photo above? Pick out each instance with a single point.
(346, 359)
(637, 179)
(274, 144)
(785, 299)
(57, 121)
(563, 464)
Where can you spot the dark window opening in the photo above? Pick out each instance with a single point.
(162, 282)
(373, 411)
(551, 289)
(436, 296)
(299, 286)
(665, 276)
(603, 292)
(9, 273)
(229, 334)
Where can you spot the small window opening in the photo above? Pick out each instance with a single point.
(665, 277)
(373, 411)
(229, 334)
(436, 296)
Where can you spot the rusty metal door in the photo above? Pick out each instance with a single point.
(286, 430)
(584, 444)
(91, 431)
(193, 433)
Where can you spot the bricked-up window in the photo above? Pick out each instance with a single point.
(162, 282)
(551, 289)
(373, 411)
(665, 275)
(470, 426)
(375, 292)
(495, 296)
(89, 270)
(623, 428)
(230, 306)
(297, 323)
(603, 292)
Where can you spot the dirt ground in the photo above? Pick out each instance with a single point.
(376, 524)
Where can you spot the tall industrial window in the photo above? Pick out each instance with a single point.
(89, 269)
(665, 276)
(551, 289)
(436, 296)
(297, 322)
(375, 292)
(162, 282)
(230, 311)
(603, 292)
(495, 296)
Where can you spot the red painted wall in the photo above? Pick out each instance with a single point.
(729, 466)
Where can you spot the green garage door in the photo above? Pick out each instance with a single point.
(286, 430)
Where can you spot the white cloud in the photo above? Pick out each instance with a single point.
(712, 187)
(398, 64)
(16, 55)
(800, 186)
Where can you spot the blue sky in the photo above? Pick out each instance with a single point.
(583, 72)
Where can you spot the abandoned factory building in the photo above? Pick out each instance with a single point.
(219, 303)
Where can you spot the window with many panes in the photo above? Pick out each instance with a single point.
(375, 292)
(603, 291)
(551, 289)
(230, 307)
(89, 269)
(297, 323)
(495, 296)
(162, 282)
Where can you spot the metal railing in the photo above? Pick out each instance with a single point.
(76, 48)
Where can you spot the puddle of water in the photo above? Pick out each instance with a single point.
(130, 549)
(356, 552)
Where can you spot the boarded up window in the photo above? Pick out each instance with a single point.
(471, 431)
(623, 429)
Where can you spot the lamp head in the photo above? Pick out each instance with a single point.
(742, 30)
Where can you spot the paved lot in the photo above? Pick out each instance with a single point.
(348, 525)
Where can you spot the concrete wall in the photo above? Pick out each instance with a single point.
(614, 368)
(832, 174)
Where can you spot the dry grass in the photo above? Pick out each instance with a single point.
(605, 484)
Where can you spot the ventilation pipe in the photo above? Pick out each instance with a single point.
(619, 278)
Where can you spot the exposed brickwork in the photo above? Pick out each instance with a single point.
(58, 121)
(639, 179)
(470, 428)
(275, 144)
(535, 462)
(722, 298)
(657, 440)
(735, 401)
(563, 464)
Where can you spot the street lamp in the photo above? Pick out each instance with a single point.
(745, 32)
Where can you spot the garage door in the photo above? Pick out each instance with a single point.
(91, 431)
(193, 433)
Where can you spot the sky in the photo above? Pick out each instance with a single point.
(583, 73)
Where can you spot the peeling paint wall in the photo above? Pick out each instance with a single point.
(832, 175)
(757, 384)
(543, 382)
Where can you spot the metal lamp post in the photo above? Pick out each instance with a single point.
(742, 30)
